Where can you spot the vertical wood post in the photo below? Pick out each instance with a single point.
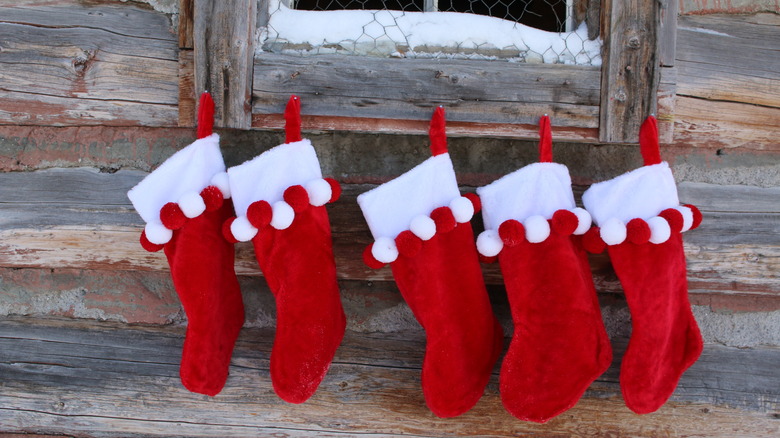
(187, 101)
(667, 32)
(223, 38)
(667, 88)
(630, 68)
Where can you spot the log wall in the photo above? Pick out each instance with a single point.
(94, 95)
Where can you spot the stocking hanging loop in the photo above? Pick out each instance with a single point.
(437, 132)
(545, 140)
(648, 141)
(205, 115)
(292, 120)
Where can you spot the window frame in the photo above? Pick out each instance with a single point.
(626, 84)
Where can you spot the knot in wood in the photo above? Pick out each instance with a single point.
(633, 42)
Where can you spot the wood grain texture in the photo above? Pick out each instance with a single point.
(730, 58)
(409, 89)
(113, 380)
(728, 82)
(667, 33)
(186, 23)
(86, 63)
(187, 100)
(56, 224)
(630, 62)
(421, 127)
(223, 41)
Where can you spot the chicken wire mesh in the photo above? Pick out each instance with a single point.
(534, 31)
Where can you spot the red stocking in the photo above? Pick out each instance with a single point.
(182, 204)
(560, 345)
(279, 197)
(421, 226)
(641, 221)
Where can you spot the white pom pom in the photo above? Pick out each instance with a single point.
(613, 232)
(659, 230)
(319, 192)
(221, 181)
(157, 233)
(242, 229)
(192, 204)
(489, 244)
(283, 215)
(384, 250)
(537, 229)
(423, 227)
(462, 209)
(583, 220)
(687, 215)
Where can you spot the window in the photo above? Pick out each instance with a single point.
(532, 31)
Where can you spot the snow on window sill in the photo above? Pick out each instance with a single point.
(422, 35)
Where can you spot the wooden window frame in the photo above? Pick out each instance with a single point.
(603, 104)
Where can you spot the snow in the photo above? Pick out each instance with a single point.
(423, 34)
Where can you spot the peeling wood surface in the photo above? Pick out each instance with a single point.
(408, 89)
(728, 81)
(55, 224)
(93, 63)
(102, 379)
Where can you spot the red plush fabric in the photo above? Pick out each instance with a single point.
(437, 133)
(172, 217)
(545, 140)
(443, 286)
(201, 262)
(298, 264)
(292, 120)
(665, 339)
(408, 243)
(205, 116)
(648, 141)
(560, 345)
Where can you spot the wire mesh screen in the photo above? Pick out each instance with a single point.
(535, 31)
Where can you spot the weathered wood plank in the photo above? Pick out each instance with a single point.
(724, 125)
(56, 224)
(85, 64)
(630, 63)
(421, 127)
(667, 33)
(186, 23)
(223, 41)
(667, 97)
(187, 99)
(730, 58)
(114, 380)
(728, 7)
(408, 89)
(726, 67)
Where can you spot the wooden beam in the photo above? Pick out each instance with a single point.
(187, 99)
(107, 379)
(483, 92)
(667, 32)
(400, 126)
(223, 37)
(186, 23)
(88, 223)
(630, 62)
(86, 63)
